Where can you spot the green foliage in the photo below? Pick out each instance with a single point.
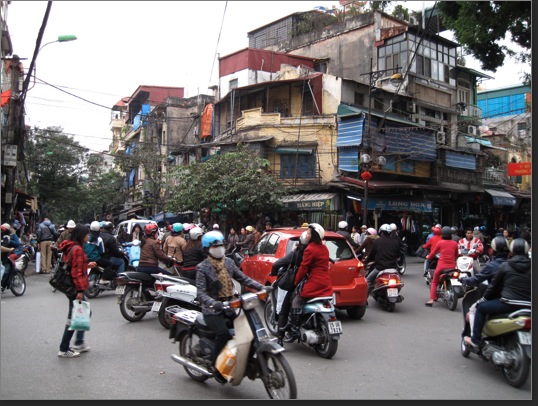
(236, 179)
(481, 26)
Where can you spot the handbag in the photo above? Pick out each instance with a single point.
(287, 280)
(80, 315)
(62, 280)
(421, 252)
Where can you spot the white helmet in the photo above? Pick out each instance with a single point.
(94, 226)
(342, 224)
(318, 229)
(195, 232)
(393, 227)
(71, 224)
(385, 228)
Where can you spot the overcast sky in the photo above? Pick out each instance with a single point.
(122, 45)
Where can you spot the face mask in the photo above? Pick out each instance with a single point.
(217, 252)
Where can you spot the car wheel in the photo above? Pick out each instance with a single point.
(356, 312)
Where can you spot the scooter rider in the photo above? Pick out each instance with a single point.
(342, 230)
(112, 251)
(214, 286)
(509, 291)
(474, 248)
(385, 253)
(151, 252)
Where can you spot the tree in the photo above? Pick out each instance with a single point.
(480, 26)
(235, 181)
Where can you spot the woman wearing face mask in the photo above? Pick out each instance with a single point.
(214, 285)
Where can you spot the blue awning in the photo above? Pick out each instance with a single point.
(350, 131)
(300, 151)
(501, 198)
(460, 160)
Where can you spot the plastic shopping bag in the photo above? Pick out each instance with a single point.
(80, 316)
(38, 261)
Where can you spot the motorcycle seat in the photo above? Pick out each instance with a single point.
(388, 270)
(139, 275)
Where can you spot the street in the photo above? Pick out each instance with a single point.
(412, 353)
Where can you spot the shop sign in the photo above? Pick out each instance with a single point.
(312, 205)
(400, 205)
(519, 169)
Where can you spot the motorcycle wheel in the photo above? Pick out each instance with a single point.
(401, 265)
(164, 316)
(328, 348)
(389, 306)
(465, 351)
(269, 317)
(93, 290)
(280, 381)
(129, 297)
(356, 312)
(18, 284)
(451, 299)
(517, 374)
(187, 346)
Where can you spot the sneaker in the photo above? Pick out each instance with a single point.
(68, 354)
(468, 341)
(217, 375)
(81, 348)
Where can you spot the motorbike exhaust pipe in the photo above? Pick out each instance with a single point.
(189, 364)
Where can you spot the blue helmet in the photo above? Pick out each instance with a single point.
(177, 227)
(212, 238)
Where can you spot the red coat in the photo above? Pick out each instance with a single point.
(448, 250)
(316, 261)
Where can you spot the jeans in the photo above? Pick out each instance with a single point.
(370, 279)
(118, 262)
(68, 334)
(494, 306)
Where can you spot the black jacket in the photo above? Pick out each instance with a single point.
(347, 234)
(111, 245)
(293, 257)
(512, 283)
(385, 253)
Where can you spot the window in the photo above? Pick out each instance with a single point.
(358, 99)
(234, 83)
(293, 166)
(321, 67)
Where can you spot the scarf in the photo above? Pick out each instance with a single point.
(226, 289)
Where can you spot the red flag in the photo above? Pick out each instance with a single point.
(5, 97)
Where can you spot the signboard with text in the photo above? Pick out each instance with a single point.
(519, 169)
(399, 205)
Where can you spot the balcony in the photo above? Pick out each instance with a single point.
(470, 112)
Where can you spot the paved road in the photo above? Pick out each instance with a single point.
(412, 353)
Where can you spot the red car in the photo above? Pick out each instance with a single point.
(347, 271)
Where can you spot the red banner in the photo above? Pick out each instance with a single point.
(519, 169)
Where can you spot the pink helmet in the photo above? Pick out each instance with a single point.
(371, 231)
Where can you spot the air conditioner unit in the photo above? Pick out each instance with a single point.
(472, 129)
(440, 137)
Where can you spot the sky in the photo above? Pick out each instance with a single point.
(123, 45)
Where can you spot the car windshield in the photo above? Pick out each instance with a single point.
(339, 249)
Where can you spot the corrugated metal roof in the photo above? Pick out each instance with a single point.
(307, 197)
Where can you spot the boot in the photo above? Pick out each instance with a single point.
(295, 315)
(281, 329)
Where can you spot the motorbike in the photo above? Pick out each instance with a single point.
(13, 278)
(22, 260)
(136, 294)
(401, 260)
(387, 287)
(251, 352)
(96, 286)
(450, 288)
(132, 253)
(506, 339)
(172, 291)
(319, 328)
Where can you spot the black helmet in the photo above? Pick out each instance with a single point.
(519, 246)
(499, 244)
(446, 232)
(108, 226)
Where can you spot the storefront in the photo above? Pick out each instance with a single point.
(322, 208)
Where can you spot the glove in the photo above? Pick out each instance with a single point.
(217, 305)
(269, 289)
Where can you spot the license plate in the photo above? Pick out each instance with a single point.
(156, 306)
(524, 337)
(120, 289)
(392, 292)
(335, 327)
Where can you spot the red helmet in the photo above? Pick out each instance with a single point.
(436, 231)
(151, 228)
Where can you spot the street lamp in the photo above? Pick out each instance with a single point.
(366, 166)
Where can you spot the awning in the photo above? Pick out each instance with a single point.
(309, 202)
(501, 198)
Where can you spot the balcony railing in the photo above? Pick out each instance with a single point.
(471, 112)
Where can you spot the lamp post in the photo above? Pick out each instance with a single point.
(365, 160)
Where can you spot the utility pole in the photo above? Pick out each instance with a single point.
(9, 146)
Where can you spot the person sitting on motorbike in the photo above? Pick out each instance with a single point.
(214, 286)
(94, 249)
(448, 252)
(249, 240)
(113, 253)
(384, 253)
(473, 247)
(193, 254)
(455, 235)
(371, 236)
(7, 249)
(430, 244)
(315, 269)
(293, 258)
(174, 245)
(342, 230)
(510, 290)
(151, 252)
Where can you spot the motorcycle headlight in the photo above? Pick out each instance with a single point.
(250, 301)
